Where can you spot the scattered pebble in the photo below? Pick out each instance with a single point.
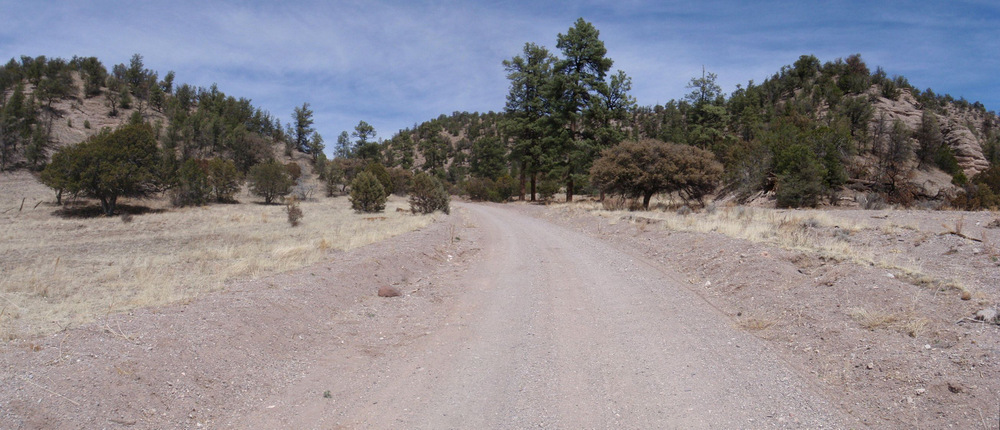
(988, 315)
(388, 291)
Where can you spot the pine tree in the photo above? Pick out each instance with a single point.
(579, 80)
(526, 110)
(315, 146)
(365, 147)
(367, 193)
(109, 165)
(344, 148)
(303, 120)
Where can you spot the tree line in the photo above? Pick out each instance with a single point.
(563, 111)
(569, 124)
(209, 146)
(805, 133)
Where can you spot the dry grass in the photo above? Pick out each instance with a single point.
(817, 232)
(56, 271)
(756, 324)
(795, 230)
(905, 322)
(872, 320)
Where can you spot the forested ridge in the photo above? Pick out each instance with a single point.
(812, 133)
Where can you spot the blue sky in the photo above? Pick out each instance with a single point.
(397, 63)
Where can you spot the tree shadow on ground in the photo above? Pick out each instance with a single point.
(90, 210)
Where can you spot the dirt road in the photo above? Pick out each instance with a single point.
(553, 329)
(506, 321)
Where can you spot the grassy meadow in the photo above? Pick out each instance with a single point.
(57, 271)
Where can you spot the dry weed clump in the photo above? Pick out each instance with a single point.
(907, 323)
(56, 271)
(294, 211)
(756, 324)
(872, 320)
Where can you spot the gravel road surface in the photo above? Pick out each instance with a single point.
(553, 329)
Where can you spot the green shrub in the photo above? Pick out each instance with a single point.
(976, 197)
(480, 189)
(548, 188)
(270, 180)
(800, 177)
(125, 99)
(428, 195)
(959, 179)
(339, 173)
(199, 182)
(367, 194)
(294, 170)
(797, 189)
(506, 187)
(193, 187)
(333, 178)
(109, 165)
(86, 124)
(982, 192)
(224, 179)
(485, 189)
(946, 161)
(382, 174)
(402, 180)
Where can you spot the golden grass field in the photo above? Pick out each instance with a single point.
(57, 271)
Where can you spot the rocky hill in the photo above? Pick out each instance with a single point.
(50, 103)
(76, 118)
(830, 130)
(839, 110)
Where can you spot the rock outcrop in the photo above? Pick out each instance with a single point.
(966, 143)
(967, 147)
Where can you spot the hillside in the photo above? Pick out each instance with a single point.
(969, 132)
(942, 144)
(812, 133)
(51, 103)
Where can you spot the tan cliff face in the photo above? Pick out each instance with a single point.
(957, 128)
(904, 108)
(967, 147)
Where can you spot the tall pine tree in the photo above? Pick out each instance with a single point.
(526, 110)
(576, 93)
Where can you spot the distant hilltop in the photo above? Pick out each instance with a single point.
(836, 131)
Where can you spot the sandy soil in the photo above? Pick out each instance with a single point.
(912, 359)
(523, 316)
